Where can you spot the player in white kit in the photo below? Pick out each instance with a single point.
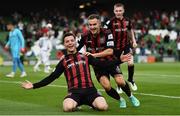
(45, 45)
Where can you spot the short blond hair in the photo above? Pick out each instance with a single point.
(119, 5)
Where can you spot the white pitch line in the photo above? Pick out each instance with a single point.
(156, 95)
(163, 75)
(19, 82)
(62, 86)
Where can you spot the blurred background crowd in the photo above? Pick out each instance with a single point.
(157, 31)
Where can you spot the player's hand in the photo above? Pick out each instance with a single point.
(27, 85)
(125, 58)
(87, 53)
(134, 44)
(23, 50)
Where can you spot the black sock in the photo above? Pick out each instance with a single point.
(113, 93)
(127, 90)
(130, 73)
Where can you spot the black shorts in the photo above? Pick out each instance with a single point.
(107, 71)
(85, 96)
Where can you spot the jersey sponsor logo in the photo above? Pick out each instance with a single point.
(75, 63)
(89, 41)
(118, 30)
(110, 43)
(115, 24)
(126, 22)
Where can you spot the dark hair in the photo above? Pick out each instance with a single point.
(11, 22)
(66, 35)
(119, 5)
(93, 16)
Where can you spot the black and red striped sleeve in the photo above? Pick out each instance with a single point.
(54, 75)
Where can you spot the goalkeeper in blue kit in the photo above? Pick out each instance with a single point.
(16, 45)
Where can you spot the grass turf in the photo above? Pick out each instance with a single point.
(158, 92)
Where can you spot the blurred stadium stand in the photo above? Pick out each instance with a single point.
(156, 23)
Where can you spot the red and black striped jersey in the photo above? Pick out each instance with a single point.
(76, 70)
(97, 43)
(119, 29)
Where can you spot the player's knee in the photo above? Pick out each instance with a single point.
(105, 83)
(100, 104)
(119, 80)
(102, 107)
(121, 83)
(107, 87)
(68, 108)
(68, 105)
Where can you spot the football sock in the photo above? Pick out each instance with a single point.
(130, 73)
(127, 90)
(113, 93)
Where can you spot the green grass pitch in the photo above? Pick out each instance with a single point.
(158, 92)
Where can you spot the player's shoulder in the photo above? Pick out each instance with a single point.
(110, 20)
(85, 34)
(127, 20)
(17, 30)
(113, 18)
(82, 56)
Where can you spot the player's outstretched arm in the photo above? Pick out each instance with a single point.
(27, 85)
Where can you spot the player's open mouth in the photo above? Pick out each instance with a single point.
(71, 47)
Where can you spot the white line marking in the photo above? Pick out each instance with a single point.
(163, 75)
(63, 86)
(173, 97)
